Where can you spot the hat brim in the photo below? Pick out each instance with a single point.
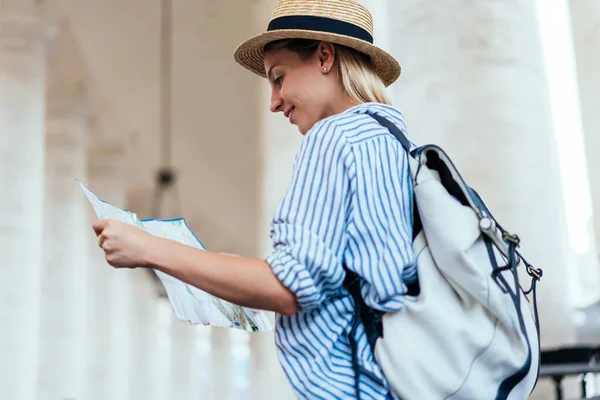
(250, 53)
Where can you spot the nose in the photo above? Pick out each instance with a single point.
(276, 102)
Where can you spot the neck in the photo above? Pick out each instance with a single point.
(345, 102)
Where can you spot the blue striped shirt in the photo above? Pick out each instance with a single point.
(350, 202)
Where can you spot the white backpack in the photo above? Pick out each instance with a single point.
(469, 333)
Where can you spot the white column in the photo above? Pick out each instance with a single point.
(110, 334)
(585, 16)
(474, 82)
(123, 321)
(151, 340)
(62, 340)
(557, 39)
(161, 355)
(222, 384)
(266, 375)
(202, 375)
(23, 42)
(278, 142)
(191, 375)
(182, 353)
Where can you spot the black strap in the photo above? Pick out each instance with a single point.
(320, 24)
(508, 384)
(393, 129)
(370, 319)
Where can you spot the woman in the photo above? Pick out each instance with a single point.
(348, 205)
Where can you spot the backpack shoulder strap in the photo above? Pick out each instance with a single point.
(368, 317)
(394, 130)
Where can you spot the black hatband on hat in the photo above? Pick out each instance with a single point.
(320, 24)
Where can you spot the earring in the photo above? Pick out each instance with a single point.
(324, 70)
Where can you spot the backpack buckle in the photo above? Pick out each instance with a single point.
(509, 237)
(535, 272)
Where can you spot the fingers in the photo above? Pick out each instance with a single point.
(98, 226)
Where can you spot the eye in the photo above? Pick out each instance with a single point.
(277, 81)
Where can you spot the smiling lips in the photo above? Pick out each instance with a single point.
(288, 113)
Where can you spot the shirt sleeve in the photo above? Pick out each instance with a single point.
(308, 229)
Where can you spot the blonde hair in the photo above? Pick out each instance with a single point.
(357, 77)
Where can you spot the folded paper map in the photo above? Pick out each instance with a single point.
(189, 303)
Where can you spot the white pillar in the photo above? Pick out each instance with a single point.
(557, 39)
(266, 375)
(585, 16)
(222, 384)
(123, 321)
(110, 334)
(190, 371)
(182, 353)
(202, 376)
(160, 357)
(150, 347)
(278, 143)
(23, 42)
(474, 82)
(62, 340)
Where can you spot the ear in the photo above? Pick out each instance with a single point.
(326, 55)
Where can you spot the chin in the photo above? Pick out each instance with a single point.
(304, 128)
(301, 128)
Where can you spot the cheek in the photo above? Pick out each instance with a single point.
(295, 89)
(316, 101)
(310, 94)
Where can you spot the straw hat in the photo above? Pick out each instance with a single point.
(342, 22)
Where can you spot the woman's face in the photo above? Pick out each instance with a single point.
(300, 89)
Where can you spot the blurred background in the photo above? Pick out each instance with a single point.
(142, 101)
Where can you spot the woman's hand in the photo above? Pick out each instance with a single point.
(124, 245)
(243, 281)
